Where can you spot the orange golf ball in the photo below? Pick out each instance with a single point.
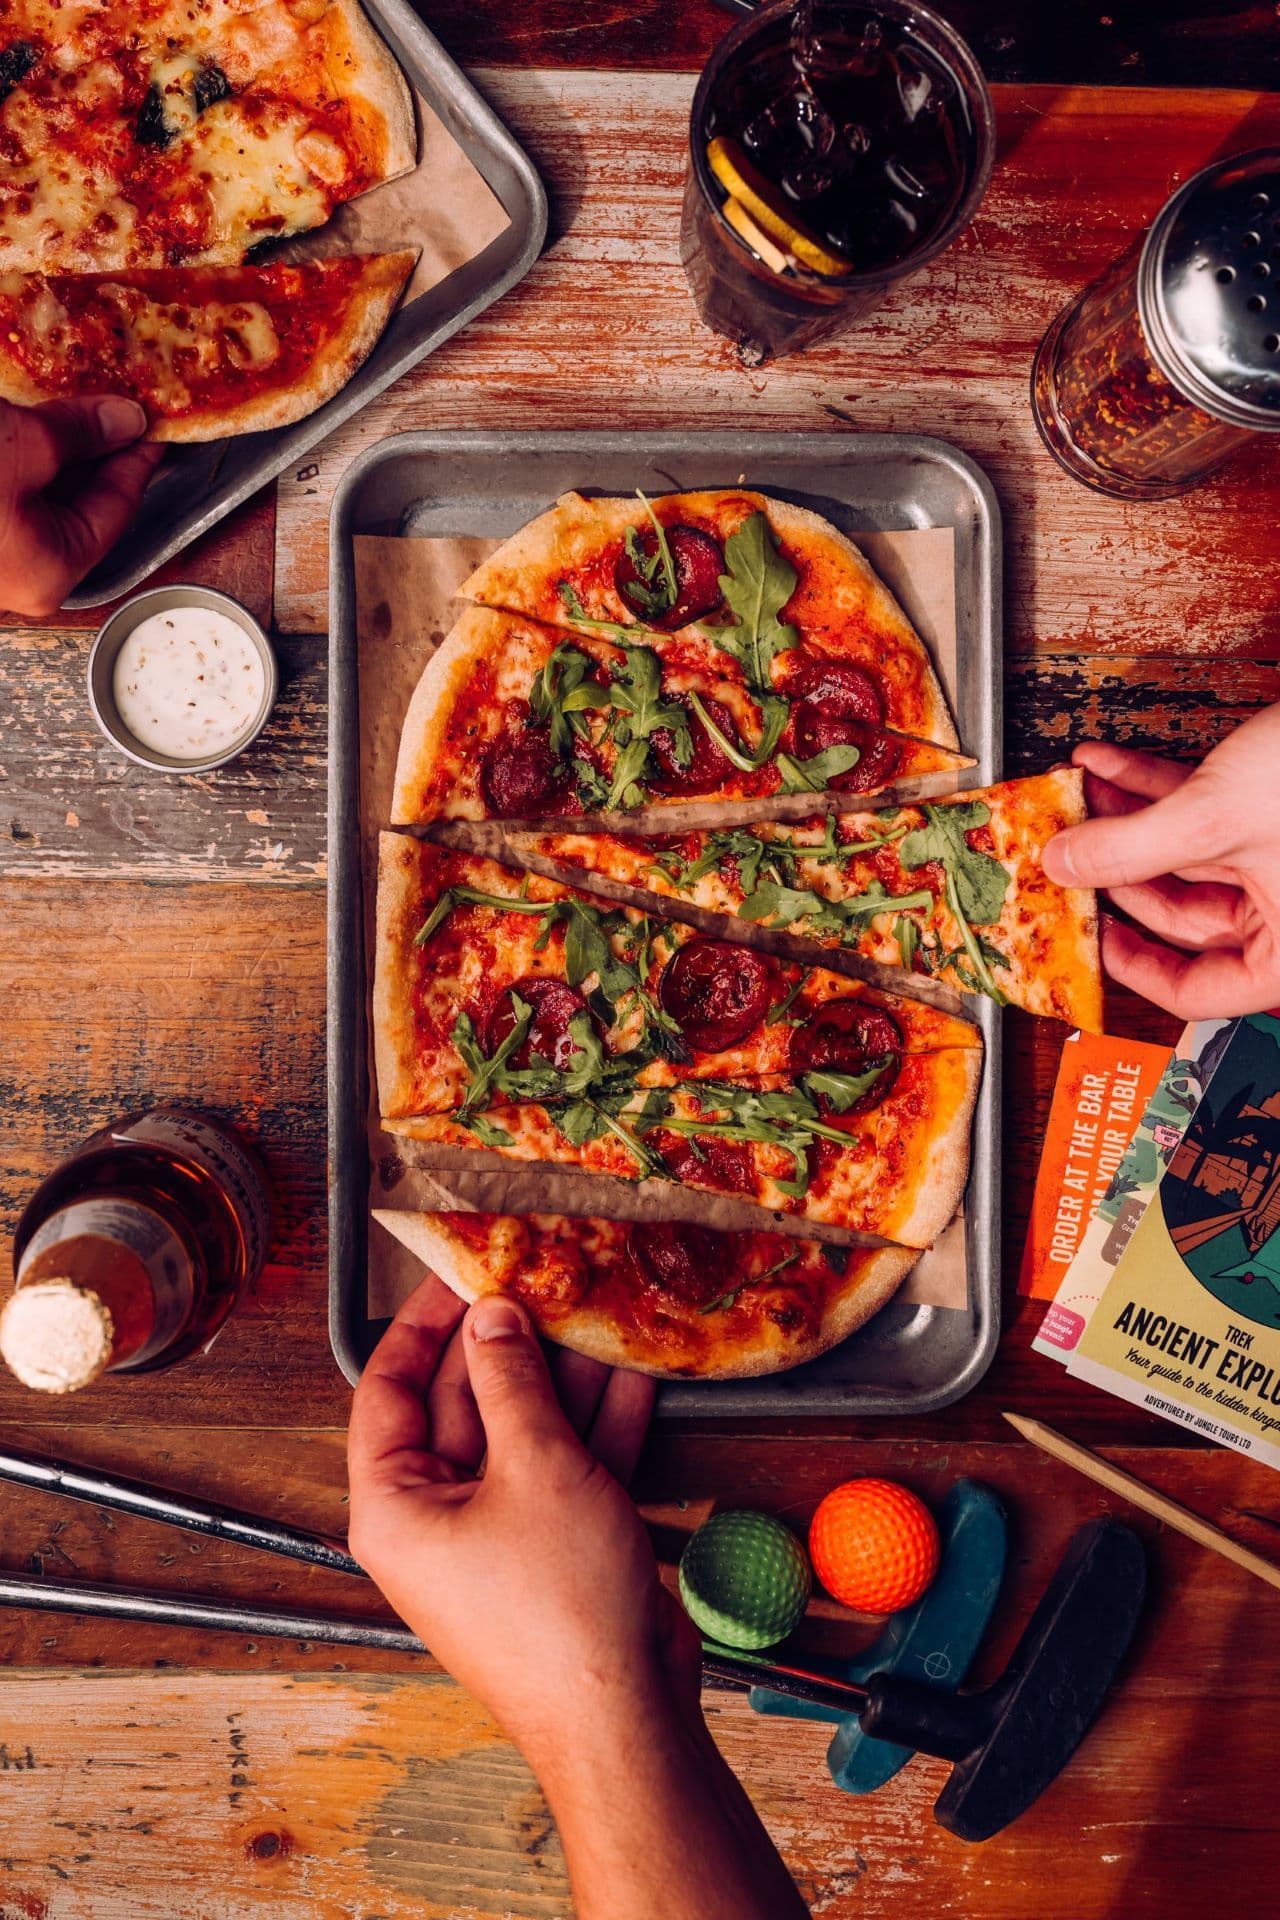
(874, 1546)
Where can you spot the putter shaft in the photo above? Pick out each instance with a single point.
(174, 1509)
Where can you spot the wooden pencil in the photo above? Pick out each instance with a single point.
(1159, 1505)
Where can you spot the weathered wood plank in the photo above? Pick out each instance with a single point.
(238, 1795)
(75, 807)
(1181, 43)
(603, 333)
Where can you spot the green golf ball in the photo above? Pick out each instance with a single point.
(744, 1580)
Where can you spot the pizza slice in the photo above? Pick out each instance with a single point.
(512, 719)
(492, 986)
(677, 1300)
(884, 1151)
(196, 149)
(207, 351)
(953, 890)
(735, 585)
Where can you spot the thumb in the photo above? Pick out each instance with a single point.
(1128, 848)
(513, 1390)
(64, 433)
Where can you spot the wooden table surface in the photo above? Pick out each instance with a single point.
(165, 939)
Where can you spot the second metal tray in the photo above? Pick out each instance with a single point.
(909, 1358)
(199, 485)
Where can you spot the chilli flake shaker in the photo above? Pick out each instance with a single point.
(1170, 362)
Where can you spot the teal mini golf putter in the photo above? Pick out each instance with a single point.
(933, 1642)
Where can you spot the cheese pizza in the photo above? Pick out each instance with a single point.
(513, 720)
(491, 986)
(953, 890)
(206, 351)
(196, 146)
(680, 1301)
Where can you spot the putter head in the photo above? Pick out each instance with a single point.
(1038, 1712)
(1010, 1742)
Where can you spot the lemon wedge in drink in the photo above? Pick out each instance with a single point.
(748, 186)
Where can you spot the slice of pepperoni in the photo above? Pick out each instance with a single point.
(726, 1166)
(692, 1264)
(838, 704)
(846, 1036)
(717, 993)
(879, 754)
(555, 1003)
(698, 561)
(709, 767)
(520, 777)
(838, 687)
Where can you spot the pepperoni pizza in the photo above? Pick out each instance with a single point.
(953, 890)
(660, 1297)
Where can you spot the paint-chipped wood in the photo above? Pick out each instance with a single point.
(603, 333)
(234, 1795)
(74, 806)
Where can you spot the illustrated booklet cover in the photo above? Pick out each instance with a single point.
(1188, 1323)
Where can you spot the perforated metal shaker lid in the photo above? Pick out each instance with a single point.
(1209, 289)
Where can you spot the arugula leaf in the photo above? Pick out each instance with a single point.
(770, 901)
(561, 693)
(789, 1118)
(487, 1071)
(842, 1089)
(487, 1132)
(757, 584)
(730, 1299)
(624, 788)
(473, 897)
(907, 934)
(981, 881)
(777, 1014)
(634, 634)
(655, 585)
(819, 770)
(773, 713)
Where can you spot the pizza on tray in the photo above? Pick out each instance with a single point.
(660, 1297)
(615, 658)
(952, 890)
(146, 155)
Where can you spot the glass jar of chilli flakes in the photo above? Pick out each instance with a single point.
(1170, 362)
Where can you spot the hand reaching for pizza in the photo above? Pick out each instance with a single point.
(1192, 856)
(72, 473)
(535, 1584)
(537, 1579)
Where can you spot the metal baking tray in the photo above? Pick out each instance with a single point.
(909, 1359)
(199, 485)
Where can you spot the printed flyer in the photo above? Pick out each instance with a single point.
(1165, 1119)
(1189, 1322)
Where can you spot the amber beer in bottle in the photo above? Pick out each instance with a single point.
(133, 1252)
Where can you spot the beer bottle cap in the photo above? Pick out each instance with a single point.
(55, 1336)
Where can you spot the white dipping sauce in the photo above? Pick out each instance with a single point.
(187, 683)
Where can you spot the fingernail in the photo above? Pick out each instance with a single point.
(1058, 860)
(120, 419)
(494, 1318)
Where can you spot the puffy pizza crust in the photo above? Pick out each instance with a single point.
(871, 1278)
